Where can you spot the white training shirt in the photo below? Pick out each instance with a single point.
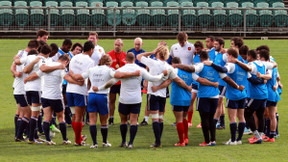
(52, 88)
(130, 91)
(185, 53)
(78, 65)
(98, 76)
(156, 67)
(34, 85)
(268, 66)
(97, 54)
(18, 84)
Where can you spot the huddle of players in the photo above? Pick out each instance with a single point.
(95, 65)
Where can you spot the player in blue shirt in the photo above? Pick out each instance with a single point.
(138, 42)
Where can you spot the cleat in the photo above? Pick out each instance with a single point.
(107, 144)
(220, 127)
(39, 140)
(277, 136)
(239, 142)
(218, 124)
(269, 140)
(155, 145)
(84, 137)
(124, 144)
(256, 141)
(130, 146)
(247, 131)
(189, 124)
(19, 139)
(180, 144)
(186, 141)
(143, 123)
(41, 134)
(50, 143)
(94, 146)
(252, 138)
(52, 134)
(69, 125)
(264, 137)
(204, 144)
(111, 123)
(229, 142)
(213, 143)
(67, 142)
(144, 91)
(53, 128)
(199, 125)
(30, 142)
(173, 124)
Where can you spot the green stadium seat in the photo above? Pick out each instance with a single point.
(197, 1)
(128, 15)
(21, 15)
(158, 15)
(274, 1)
(251, 14)
(189, 17)
(36, 15)
(180, 1)
(166, 1)
(83, 15)
(204, 15)
(278, 5)
(98, 17)
(260, 1)
(219, 15)
(262, 5)
(265, 16)
(75, 1)
(6, 15)
(54, 13)
(110, 14)
(280, 18)
(227, 1)
(91, 1)
(213, 1)
(67, 15)
(143, 15)
(235, 16)
(173, 15)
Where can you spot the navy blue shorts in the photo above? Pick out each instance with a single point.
(21, 100)
(33, 97)
(256, 104)
(180, 108)
(167, 92)
(195, 87)
(236, 104)
(271, 103)
(98, 103)
(64, 87)
(156, 103)
(126, 109)
(207, 104)
(115, 89)
(74, 99)
(222, 90)
(56, 105)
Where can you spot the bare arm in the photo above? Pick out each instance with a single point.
(162, 85)
(188, 68)
(31, 77)
(182, 84)
(243, 65)
(120, 75)
(14, 72)
(108, 84)
(146, 54)
(264, 76)
(231, 82)
(48, 69)
(30, 66)
(207, 82)
(69, 79)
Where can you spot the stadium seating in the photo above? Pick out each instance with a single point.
(219, 15)
(189, 16)
(280, 16)
(67, 15)
(36, 15)
(251, 15)
(110, 14)
(83, 15)
(143, 15)
(97, 15)
(235, 16)
(204, 15)
(173, 14)
(54, 13)
(158, 15)
(6, 15)
(265, 16)
(21, 15)
(128, 15)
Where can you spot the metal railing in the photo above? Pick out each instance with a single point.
(144, 19)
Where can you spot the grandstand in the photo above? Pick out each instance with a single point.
(244, 17)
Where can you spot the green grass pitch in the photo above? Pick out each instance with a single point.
(12, 151)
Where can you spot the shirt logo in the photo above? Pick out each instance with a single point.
(100, 50)
(189, 48)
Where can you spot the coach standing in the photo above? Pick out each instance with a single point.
(118, 60)
(98, 50)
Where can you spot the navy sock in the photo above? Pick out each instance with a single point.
(16, 123)
(27, 129)
(46, 128)
(40, 117)
(18, 126)
(104, 132)
(241, 127)
(53, 121)
(233, 129)
(272, 134)
(63, 130)
(215, 121)
(268, 128)
(133, 131)
(156, 130)
(277, 118)
(222, 120)
(33, 122)
(36, 130)
(67, 115)
(93, 133)
(123, 129)
(161, 125)
(23, 125)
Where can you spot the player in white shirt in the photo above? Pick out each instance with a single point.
(130, 97)
(98, 50)
(52, 99)
(77, 95)
(183, 49)
(156, 100)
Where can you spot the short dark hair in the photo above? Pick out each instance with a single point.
(33, 44)
(64, 57)
(176, 60)
(130, 56)
(77, 44)
(41, 43)
(33, 52)
(238, 41)
(199, 44)
(93, 33)
(263, 47)
(264, 54)
(220, 41)
(252, 53)
(204, 55)
(54, 46)
(243, 50)
(67, 41)
(41, 33)
(233, 52)
(211, 37)
(45, 49)
(88, 46)
(182, 36)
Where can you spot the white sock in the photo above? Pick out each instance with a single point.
(146, 118)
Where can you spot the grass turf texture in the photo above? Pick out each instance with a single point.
(12, 151)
